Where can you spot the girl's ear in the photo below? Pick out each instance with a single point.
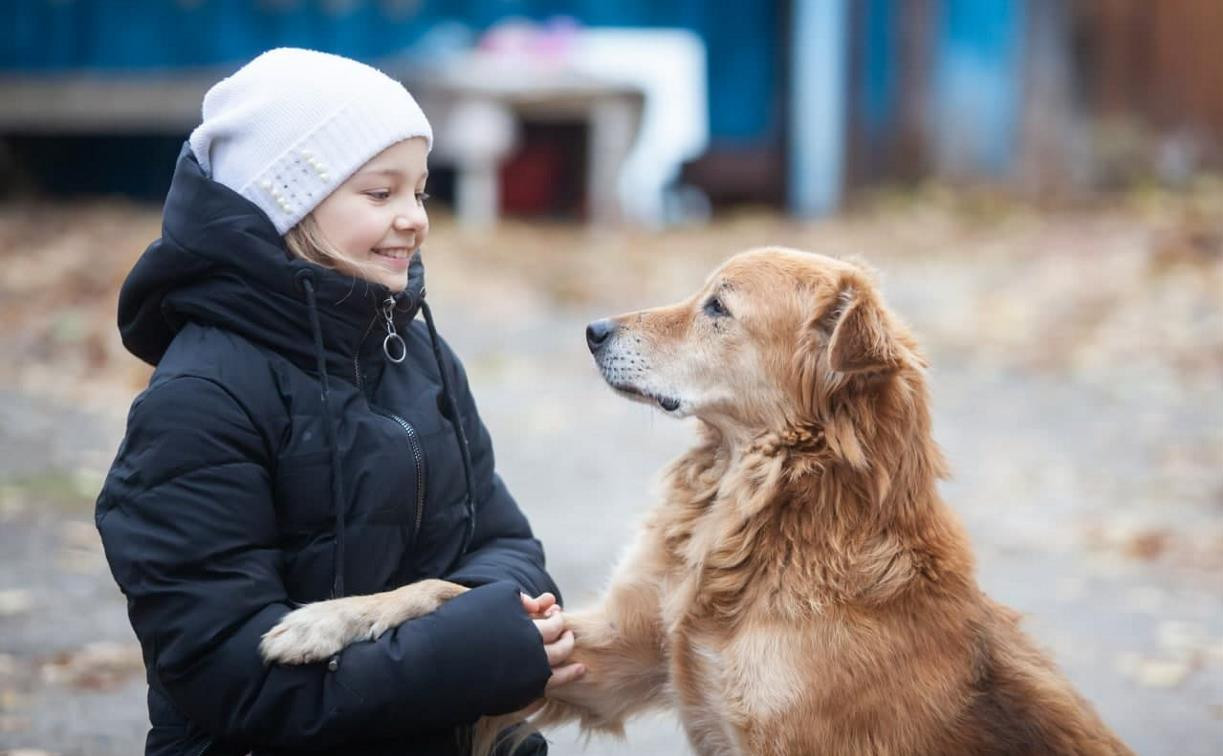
(861, 340)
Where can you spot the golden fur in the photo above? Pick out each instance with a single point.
(802, 589)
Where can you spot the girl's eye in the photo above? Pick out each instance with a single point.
(715, 309)
(379, 194)
(422, 197)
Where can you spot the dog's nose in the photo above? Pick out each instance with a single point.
(598, 332)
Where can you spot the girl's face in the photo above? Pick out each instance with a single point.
(377, 218)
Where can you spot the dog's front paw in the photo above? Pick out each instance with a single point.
(396, 607)
(310, 634)
(318, 631)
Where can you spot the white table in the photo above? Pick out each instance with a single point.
(478, 103)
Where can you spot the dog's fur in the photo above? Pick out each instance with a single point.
(802, 589)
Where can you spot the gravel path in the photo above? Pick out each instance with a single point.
(1094, 507)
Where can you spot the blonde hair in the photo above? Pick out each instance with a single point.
(307, 241)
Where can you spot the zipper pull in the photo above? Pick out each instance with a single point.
(393, 343)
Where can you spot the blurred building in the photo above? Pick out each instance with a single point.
(800, 101)
(1043, 93)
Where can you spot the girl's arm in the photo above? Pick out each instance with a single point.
(188, 524)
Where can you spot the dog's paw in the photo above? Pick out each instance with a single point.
(384, 621)
(319, 631)
(313, 633)
(407, 603)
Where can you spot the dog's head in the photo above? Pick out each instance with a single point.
(766, 342)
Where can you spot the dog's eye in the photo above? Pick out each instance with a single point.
(715, 309)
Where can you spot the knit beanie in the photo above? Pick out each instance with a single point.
(290, 126)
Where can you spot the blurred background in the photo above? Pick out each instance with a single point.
(1039, 183)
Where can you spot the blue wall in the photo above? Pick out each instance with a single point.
(978, 85)
(975, 83)
(48, 35)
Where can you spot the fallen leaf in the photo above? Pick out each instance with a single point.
(14, 602)
(96, 666)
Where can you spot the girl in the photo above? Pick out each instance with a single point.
(305, 437)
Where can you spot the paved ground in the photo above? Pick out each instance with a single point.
(1094, 495)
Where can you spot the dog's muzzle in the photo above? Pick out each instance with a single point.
(623, 371)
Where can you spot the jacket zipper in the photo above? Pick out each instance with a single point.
(418, 456)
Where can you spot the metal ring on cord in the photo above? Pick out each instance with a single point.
(386, 348)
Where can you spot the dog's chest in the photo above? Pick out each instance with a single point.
(726, 684)
(704, 704)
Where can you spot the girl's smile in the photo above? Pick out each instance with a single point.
(395, 258)
(376, 219)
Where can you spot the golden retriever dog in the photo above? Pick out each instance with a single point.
(801, 588)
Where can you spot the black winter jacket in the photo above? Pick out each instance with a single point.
(248, 483)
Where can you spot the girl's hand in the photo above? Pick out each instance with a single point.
(558, 642)
(538, 605)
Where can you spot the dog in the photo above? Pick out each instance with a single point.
(800, 588)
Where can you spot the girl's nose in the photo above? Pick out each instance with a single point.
(403, 223)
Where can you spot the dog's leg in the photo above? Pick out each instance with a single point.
(622, 644)
(318, 631)
(626, 672)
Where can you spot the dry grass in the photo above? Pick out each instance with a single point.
(1130, 288)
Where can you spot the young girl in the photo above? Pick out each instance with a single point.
(306, 437)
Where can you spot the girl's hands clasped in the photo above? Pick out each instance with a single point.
(558, 642)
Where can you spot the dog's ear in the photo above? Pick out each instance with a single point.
(861, 340)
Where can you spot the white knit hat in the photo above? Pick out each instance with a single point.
(290, 126)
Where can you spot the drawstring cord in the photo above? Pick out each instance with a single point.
(306, 281)
(452, 405)
(337, 491)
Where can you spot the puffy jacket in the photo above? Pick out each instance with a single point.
(279, 457)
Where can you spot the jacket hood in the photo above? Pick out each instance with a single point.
(220, 261)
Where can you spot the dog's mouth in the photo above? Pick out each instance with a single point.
(668, 403)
